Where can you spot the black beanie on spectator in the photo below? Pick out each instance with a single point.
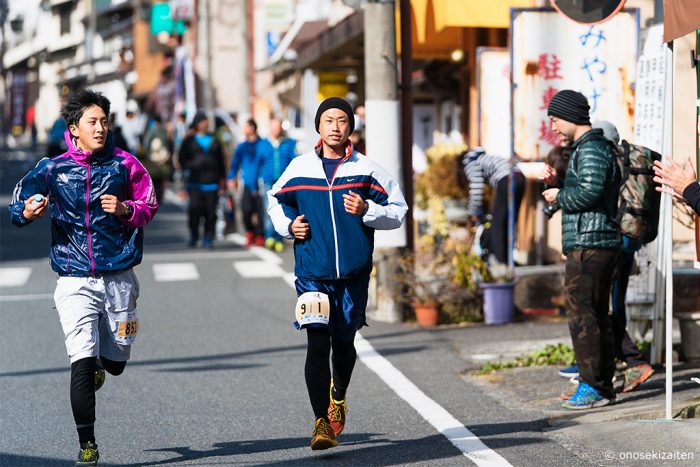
(336, 103)
(571, 106)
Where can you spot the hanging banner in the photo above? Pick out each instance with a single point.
(332, 83)
(598, 61)
(493, 84)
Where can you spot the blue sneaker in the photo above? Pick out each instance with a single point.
(569, 372)
(586, 397)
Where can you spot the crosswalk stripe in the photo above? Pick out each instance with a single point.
(197, 255)
(173, 272)
(24, 298)
(14, 277)
(265, 255)
(258, 269)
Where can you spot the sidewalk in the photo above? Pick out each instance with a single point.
(632, 425)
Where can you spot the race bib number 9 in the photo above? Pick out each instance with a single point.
(128, 328)
(312, 307)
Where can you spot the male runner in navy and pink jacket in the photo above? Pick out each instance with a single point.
(99, 197)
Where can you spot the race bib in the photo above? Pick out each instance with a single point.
(128, 329)
(312, 307)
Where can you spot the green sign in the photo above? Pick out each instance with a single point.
(161, 21)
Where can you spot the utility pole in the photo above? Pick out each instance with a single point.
(382, 137)
(407, 115)
(250, 55)
(204, 30)
(4, 9)
(90, 35)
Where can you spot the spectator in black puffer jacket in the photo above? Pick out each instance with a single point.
(591, 243)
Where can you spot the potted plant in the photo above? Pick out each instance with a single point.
(441, 189)
(420, 288)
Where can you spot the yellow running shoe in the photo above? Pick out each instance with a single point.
(88, 454)
(336, 414)
(323, 436)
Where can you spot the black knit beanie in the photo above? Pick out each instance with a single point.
(571, 106)
(336, 103)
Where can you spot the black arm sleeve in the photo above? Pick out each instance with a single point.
(692, 195)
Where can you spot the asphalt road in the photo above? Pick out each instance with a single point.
(216, 376)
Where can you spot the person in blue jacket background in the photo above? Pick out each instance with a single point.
(275, 160)
(247, 158)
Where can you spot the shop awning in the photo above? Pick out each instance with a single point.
(680, 18)
(464, 13)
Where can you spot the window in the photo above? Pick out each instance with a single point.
(64, 17)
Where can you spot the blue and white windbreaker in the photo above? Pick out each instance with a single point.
(339, 245)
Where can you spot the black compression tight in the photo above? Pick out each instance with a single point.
(112, 367)
(82, 393)
(82, 397)
(317, 370)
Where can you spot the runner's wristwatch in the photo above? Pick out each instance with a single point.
(129, 210)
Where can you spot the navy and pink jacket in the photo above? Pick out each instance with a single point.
(85, 240)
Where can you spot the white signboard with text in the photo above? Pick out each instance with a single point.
(551, 53)
(493, 83)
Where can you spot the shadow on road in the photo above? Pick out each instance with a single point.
(16, 460)
(207, 358)
(367, 449)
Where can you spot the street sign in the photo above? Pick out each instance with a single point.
(588, 11)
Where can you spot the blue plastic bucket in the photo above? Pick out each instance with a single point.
(498, 302)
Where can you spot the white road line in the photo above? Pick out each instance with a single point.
(236, 238)
(14, 277)
(265, 255)
(214, 254)
(471, 446)
(172, 272)
(432, 412)
(21, 298)
(258, 269)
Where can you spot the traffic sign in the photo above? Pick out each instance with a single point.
(588, 11)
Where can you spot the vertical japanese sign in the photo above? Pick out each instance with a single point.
(551, 53)
(650, 96)
(493, 74)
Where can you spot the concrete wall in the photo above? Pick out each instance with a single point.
(228, 51)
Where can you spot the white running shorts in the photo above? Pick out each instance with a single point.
(98, 314)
